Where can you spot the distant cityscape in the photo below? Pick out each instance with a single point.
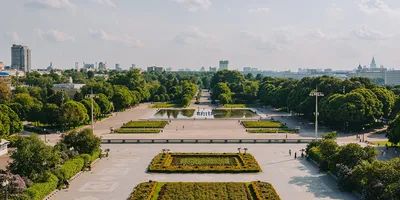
(21, 63)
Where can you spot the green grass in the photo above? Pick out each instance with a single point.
(136, 131)
(157, 190)
(291, 131)
(263, 124)
(240, 106)
(145, 124)
(165, 105)
(192, 161)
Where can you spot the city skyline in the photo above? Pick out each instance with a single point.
(268, 35)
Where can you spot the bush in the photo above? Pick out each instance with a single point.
(264, 190)
(95, 155)
(315, 154)
(40, 190)
(69, 169)
(271, 131)
(87, 159)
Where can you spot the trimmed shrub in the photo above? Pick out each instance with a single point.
(137, 131)
(95, 155)
(40, 190)
(69, 169)
(263, 124)
(145, 124)
(87, 159)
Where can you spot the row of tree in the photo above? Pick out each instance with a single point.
(357, 168)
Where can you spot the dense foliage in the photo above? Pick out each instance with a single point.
(263, 124)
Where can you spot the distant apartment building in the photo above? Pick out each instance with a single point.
(169, 69)
(77, 66)
(117, 67)
(20, 58)
(202, 69)
(155, 69)
(223, 64)
(2, 66)
(103, 66)
(69, 88)
(392, 77)
(212, 69)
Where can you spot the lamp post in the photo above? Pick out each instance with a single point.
(316, 94)
(92, 96)
(5, 184)
(62, 102)
(363, 134)
(45, 134)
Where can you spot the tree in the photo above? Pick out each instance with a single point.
(387, 98)
(394, 130)
(122, 97)
(5, 93)
(331, 135)
(50, 114)
(105, 105)
(57, 98)
(33, 157)
(84, 141)
(73, 113)
(88, 105)
(9, 121)
(328, 149)
(224, 98)
(90, 74)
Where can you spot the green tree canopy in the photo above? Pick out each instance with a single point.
(73, 113)
(84, 141)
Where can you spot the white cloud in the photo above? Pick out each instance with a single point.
(192, 35)
(334, 11)
(52, 4)
(366, 33)
(362, 33)
(54, 35)
(195, 5)
(125, 39)
(259, 41)
(283, 36)
(258, 10)
(376, 7)
(109, 3)
(12, 36)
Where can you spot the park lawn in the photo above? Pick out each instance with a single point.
(205, 191)
(291, 131)
(263, 124)
(145, 124)
(136, 131)
(165, 105)
(240, 106)
(204, 162)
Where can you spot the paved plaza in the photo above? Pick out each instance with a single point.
(114, 178)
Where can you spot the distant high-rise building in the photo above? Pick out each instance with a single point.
(169, 69)
(77, 66)
(155, 69)
(103, 66)
(117, 67)
(223, 64)
(202, 69)
(133, 66)
(212, 69)
(20, 58)
(373, 64)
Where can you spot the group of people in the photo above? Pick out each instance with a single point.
(295, 153)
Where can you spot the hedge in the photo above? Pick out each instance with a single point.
(144, 191)
(264, 191)
(126, 130)
(263, 124)
(95, 155)
(246, 164)
(69, 169)
(40, 190)
(145, 124)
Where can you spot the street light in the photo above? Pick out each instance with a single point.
(363, 134)
(5, 184)
(45, 134)
(92, 96)
(316, 94)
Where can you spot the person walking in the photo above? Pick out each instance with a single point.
(295, 155)
(290, 152)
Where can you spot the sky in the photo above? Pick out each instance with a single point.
(265, 34)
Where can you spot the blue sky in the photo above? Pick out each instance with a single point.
(267, 34)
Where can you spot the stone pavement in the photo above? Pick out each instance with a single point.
(115, 177)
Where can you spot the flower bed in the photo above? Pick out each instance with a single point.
(276, 130)
(145, 124)
(137, 131)
(263, 124)
(204, 162)
(205, 191)
(264, 191)
(165, 105)
(144, 191)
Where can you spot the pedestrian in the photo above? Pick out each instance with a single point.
(286, 135)
(290, 152)
(295, 155)
(183, 127)
(387, 147)
(384, 154)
